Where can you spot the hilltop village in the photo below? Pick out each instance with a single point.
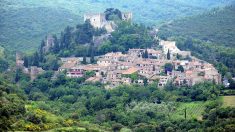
(144, 66)
(162, 64)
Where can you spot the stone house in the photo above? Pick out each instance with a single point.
(163, 80)
(104, 62)
(169, 45)
(35, 71)
(75, 72)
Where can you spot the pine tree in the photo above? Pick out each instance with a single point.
(168, 55)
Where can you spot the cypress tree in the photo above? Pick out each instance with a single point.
(145, 54)
(41, 50)
(26, 61)
(84, 59)
(91, 50)
(36, 59)
(17, 76)
(56, 47)
(168, 55)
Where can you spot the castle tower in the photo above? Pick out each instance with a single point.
(19, 59)
(99, 20)
(96, 20)
(49, 43)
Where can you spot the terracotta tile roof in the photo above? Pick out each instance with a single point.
(130, 71)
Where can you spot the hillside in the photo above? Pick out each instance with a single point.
(210, 36)
(24, 23)
(216, 26)
(24, 28)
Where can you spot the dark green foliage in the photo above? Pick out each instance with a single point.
(26, 61)
(3, 65)
(35, 61)
(212, 34)
(91, 52)
(216, 26)
(129, 36)
(113, 14)
(56, 46)
(136, 107)
(168, 67)
(145, 54)
(97, 101)
(11, 105)
(66, 38)
(199, 92)
(168, 56)
(84, 33)
(84, 61)
(180, 68)
(17, 75)
(25, 27)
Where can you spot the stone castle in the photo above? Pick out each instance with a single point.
(98, 20)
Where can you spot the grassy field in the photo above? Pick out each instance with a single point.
(194, 110)
(228, 101)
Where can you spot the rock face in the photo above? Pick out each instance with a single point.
(49, 43)
(19, 59)
(98, 20)
(35, 71)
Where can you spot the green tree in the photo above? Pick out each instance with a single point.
(168, 56)
(17, 75)
(35, 59)
(84, 33)
(56, 47)
(41, 51)
(145, 54)
(180, 68)
(113, 14)
(168, 67)
(91, 53)
(26, 61)
(84, 59)
(3, 65)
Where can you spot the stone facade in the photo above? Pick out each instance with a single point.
(49, 43)
(98, 20)
(116, 68)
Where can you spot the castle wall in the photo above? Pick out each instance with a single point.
(99, 21)
(96, 20)
(127, 16)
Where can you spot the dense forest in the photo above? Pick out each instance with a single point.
(72, 104)
(209, 36)
(23, 23)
